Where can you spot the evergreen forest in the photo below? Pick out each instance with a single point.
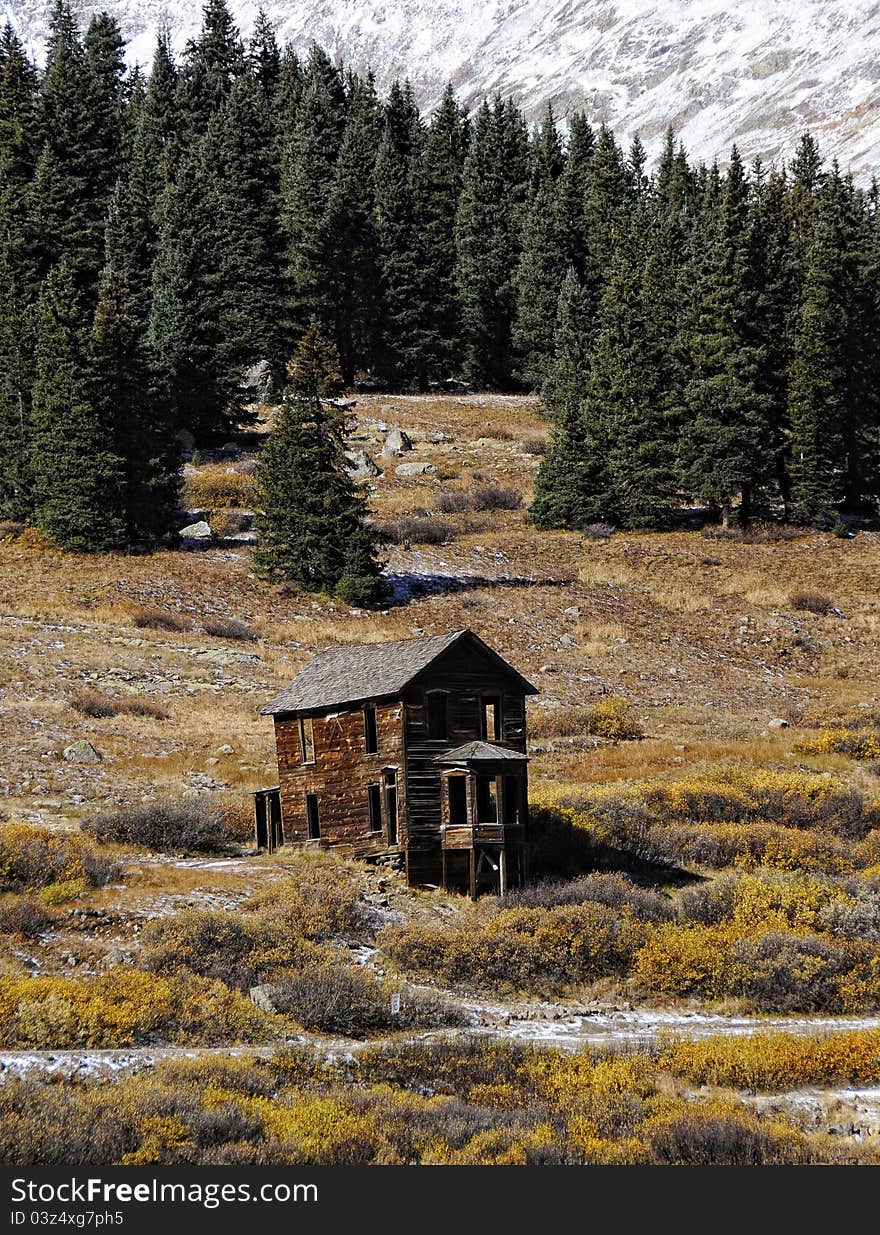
(700, 335)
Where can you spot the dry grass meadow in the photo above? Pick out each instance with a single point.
(749, 662)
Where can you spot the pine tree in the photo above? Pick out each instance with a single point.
(438, 176)
(542, 264)
(308, 170)
(15, 384)
(628, 406)
(401, 362)
(573, 483)
(488, 241)
(348, 233)
(606, 213)
(77, 477)
(313, 533)
(212, 63)
(264, 57)
(244, 268)
(728, 439)
(572, 193)
(833, 400)
(126, 396)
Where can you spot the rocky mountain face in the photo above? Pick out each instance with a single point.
(752, 71)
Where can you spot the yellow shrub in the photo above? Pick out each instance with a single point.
(766, 901)
(35, 857)
(856, 743)
(691, 960)
(215, 486)
(777, 1061)
(123, 1008)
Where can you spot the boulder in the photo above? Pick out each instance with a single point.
(263, 997)
(197, 531)
(260, 382)
(361, 466)
(396, 443)
(414, 469)
(81, 752)
(186, 441)
(778, 723)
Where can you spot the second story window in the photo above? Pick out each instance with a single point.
(306, 740)
(490, 718)
(371, 733)
(437, 714)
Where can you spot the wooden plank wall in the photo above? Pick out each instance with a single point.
(340, 776)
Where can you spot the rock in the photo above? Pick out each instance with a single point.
(260, 382)
(414, 469)
(197, 531)
(226, 749)
(263, 997)
(183, 518)
(572, 611)
(778, 723)
(81, 752)
(231, 449)
(396, 443)
(361, 466)
(186, 441)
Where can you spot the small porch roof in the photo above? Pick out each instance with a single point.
(481, 752)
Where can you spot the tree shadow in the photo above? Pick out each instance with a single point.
(412, 585)
(559, 850)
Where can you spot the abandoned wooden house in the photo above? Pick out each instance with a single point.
(411, 752)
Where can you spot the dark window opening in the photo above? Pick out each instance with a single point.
(374, 805)
(487, 804)
(391, 805)
(512, 798)
(371, 733)
(457, 791)
(490, 718)
(312, 817)
(306, 739)
(437, 711)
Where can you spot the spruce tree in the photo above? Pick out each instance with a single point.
(308, 170)
(313, 533)
(77, 477)
(212, 63)
(127, 398)
(488, 238)
(573, 483)
(350, 254)
(728, 439)
(438, 176)
(401, 362)
(542, 263)
(572, 192)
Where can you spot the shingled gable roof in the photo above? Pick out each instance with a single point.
(343, 675)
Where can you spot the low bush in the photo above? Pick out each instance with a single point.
(535, 949)
(616, 891)
(612, 718)
(715, 1135)
(417, 530)
(229, 628)
(165, 825)
(36, 857)
(217, 485)
(21, 915)
(856, 744)
(153, 618)
(127, 1007)
(811, 602)
(780, 972)
(495, 497)
(778, 1060)
(100, 706)
(599, 531)
(453, 502)
(335, 997)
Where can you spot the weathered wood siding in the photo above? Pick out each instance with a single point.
(340, 776)
(466, 676)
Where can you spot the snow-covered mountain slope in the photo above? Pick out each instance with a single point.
(751, 71)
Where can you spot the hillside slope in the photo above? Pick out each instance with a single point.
(756, 72)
